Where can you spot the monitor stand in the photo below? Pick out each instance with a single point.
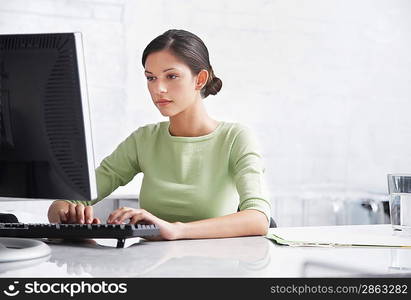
(17, 249)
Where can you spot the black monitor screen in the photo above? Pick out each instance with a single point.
(45, 136)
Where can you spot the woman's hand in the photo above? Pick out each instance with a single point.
(168, 231)
(77, 214)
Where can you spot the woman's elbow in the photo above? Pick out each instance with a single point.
(262, 223)
(263, 227)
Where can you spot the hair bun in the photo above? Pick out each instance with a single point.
(213, 87)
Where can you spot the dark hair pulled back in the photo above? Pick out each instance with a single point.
(191, 50)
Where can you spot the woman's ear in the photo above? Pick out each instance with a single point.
(202, 78)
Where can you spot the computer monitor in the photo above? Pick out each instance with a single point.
(46, 149)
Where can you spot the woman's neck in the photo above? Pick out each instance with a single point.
(192, 122)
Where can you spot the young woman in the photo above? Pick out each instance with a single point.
(203, 178)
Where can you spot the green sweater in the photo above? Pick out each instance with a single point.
(188, 178)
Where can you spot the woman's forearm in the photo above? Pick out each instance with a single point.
(55, 207)
(244, 223)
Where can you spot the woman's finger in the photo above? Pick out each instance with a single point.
(88, 214)
(146, 217)
(129, 214)
(62, 216)
(72, 213)
(136, 218)
(117, 213)
(96, 221)
(113, 215)
(80, 213)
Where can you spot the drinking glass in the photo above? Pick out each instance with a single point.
(399, 189)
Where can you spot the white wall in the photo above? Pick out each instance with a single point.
(325, 84)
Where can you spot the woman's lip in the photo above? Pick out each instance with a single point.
(163, 103)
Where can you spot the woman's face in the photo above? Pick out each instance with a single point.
(171, 85)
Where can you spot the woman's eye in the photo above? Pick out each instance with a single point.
(172, 76)
(149, 78)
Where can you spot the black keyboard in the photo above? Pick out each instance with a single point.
(79, 231)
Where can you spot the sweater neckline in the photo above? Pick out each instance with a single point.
(191, 139)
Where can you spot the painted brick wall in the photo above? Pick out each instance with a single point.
(324, 84)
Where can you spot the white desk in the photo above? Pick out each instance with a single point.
(232, 257)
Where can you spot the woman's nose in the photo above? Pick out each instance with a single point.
(160, 87)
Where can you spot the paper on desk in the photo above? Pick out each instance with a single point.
(339, 236)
